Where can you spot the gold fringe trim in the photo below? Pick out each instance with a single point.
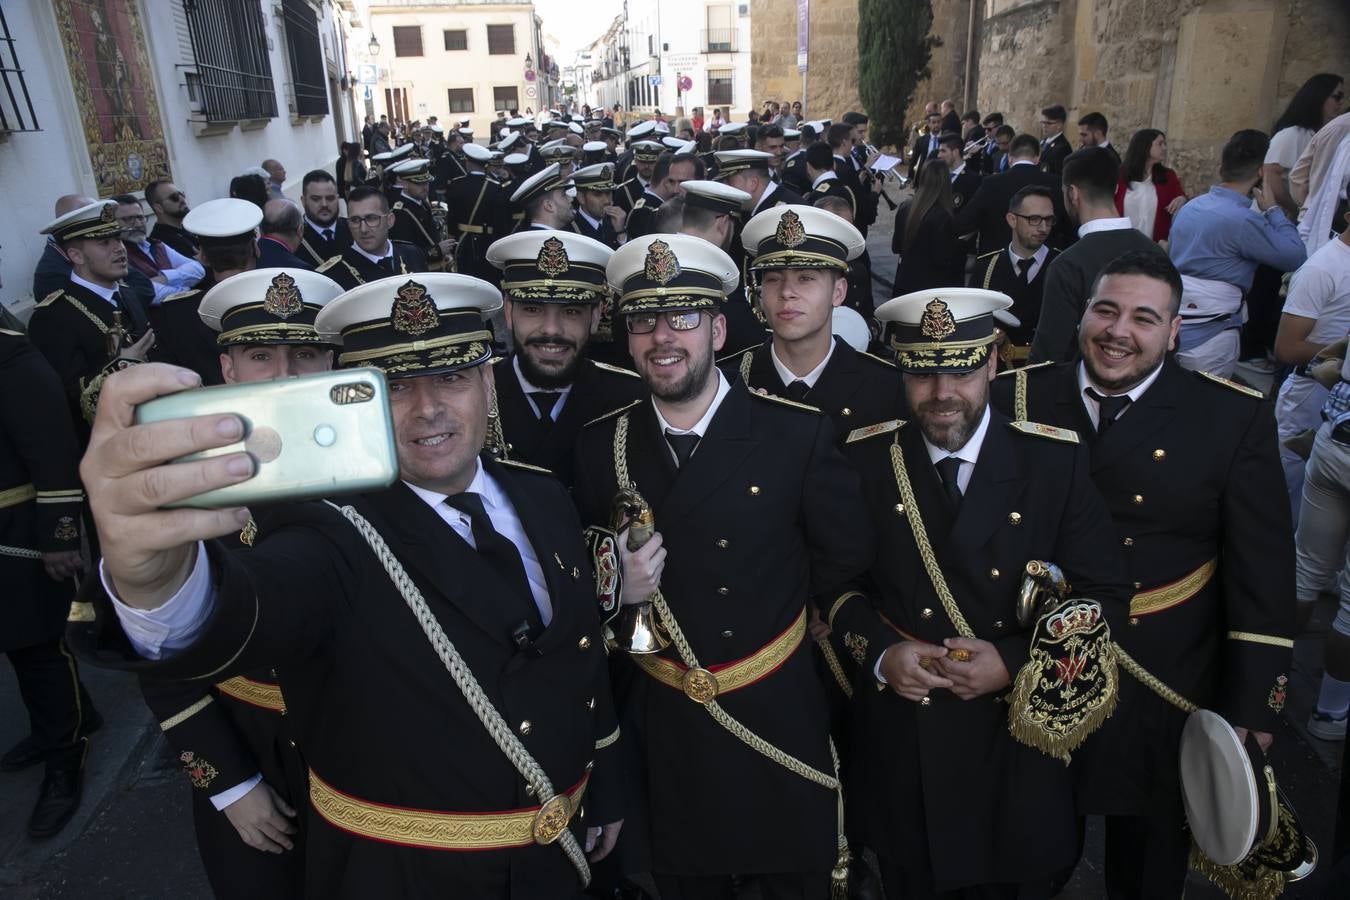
(1261, 884)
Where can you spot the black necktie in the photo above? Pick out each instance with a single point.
(1024, 268)
(133, 316)
(545, 400)
(328, 234)
(797, 390)
(387, 264)
(683, 445)
(948, 469)
(496, 551)
(1109, 408)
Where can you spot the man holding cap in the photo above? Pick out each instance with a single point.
(754, 510)
(413, 222)
(962, 499)
(244, 813)
(597, 217)
(554, 285)
(419, 777)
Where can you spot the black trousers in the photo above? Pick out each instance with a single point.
(787, 886)
(237, 871)
(49, 682)
(1146, 856)
(917, 884)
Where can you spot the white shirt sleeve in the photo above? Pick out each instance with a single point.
(1310, 291)
(155, 633)
(225, 798)
(1286, 146)
(876, 670)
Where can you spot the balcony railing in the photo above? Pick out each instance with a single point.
(718, 40)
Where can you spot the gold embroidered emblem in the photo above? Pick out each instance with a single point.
(857, 645)
(107, 215)
(552, 260)
(1277, 694)
(551, 820)
(937, 322)
(65, 529)
(661, 265)
(790, 232)
(249, 534)
(700, 685)
(414, 312)
(283, 297)
(201, 772)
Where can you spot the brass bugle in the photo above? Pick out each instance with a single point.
(1042, 582)
(636, 628)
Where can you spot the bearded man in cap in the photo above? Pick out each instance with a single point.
(245, 813)
(754, 509)
(963, 499)
(406, 761)
(1189, 466)
(547, 388)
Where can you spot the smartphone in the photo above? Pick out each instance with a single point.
(310, 436)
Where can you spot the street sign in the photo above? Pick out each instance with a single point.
(366, 93)
(529, 74)
(531, 91)
(686, 84)
(367, 73)
(803, 32)
(654, 80)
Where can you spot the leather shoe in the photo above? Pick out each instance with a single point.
(27, 753)
(59, 795)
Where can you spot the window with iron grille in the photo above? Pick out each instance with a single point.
(461, 100)
(505, 98)
(501, 39)
(407, 40)
(719, 87)
(305, 53)
(16, 106)
(229, 48)
(456, 40)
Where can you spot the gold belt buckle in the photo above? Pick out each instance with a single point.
(700, 685)
(551, 820)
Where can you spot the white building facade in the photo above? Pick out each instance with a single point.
(111, 94)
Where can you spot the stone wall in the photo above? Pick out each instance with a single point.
(947, 65)
(832, 79)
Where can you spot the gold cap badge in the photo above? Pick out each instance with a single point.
(414, 312)
(661, 265)
(790, 232)
(937, 322)
(283, 297)
(552, 260)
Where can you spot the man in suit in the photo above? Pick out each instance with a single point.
(40, 507)
(794, 166)
(705, 453)
(548, 387)
(1092, 133)
(281, 232)
(1189, 467)
(749, 171)
(372, 255)
(248, 835)
(1018, 270)
(637, 179)
(851, 173)
(671, 170)
(950, 120)
(413, 221)
(825, 180)
(54, 267)
(1090, 178)
(326, 233)
(987, 210)
(799, 256)
(167, 269)
(597, 217)
(450, 164)
(480, 212)
(1055, 147)
(168, 204)
(965, 182)
(542, 199)
(90, 327)
(926, 144)
(962, 498)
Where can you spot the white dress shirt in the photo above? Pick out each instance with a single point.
(1120, 224)
(1038, 260)
(563, 392)
(388, 252)
(810, 377)
(183, 272)
(701, 426)
(105, 292)
(327, 232)
(1094, 408)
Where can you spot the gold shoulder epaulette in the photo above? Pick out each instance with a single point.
(398, 205)
(867, 431)
(641, 201)
(617, 370)
(516, 464)
(180, 295)
(1039, 365)
(783, 401)
(1240, 388)
(1046, 431)
(51, 298)
(612, 413)
(329, 263)
(872, 356)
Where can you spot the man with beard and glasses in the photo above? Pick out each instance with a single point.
(169, 270)
(547, 389)
(1190, 469)
(800, 257)
(326, 233)
(169, 205)
(417, 779)
(755, 510)
(962, 499)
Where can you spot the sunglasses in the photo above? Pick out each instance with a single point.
(677, 320)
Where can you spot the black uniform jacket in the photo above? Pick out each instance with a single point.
(945, 778)
(40, 484)
(1191, 473)
(182, 338)
(351, 268)
(994, 271)
(765, 513)
(414, 224)
(480, 212)
(779, 196)
(316, 251)
(642, 217)
(854, 389)
(598, 388)
(378, 715)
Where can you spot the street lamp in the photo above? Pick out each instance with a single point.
(374, 45)
(529, 61)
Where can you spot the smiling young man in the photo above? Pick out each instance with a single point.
(245, 814)
(547, 388)
(962, 498)
(799, 255)
(1189, 466)
(754, 510)
(418, 778)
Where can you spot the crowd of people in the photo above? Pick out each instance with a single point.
(702, 569)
